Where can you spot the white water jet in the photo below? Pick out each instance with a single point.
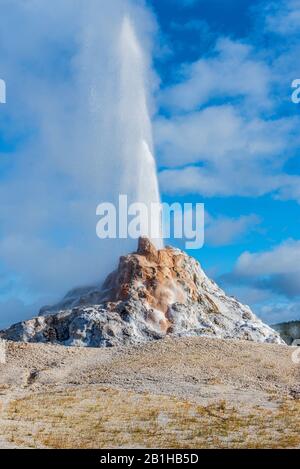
(138, 167)
(115, 154)
(119, 138)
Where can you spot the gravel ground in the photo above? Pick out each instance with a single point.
(198, 370)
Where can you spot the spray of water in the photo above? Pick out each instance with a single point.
(119, 137)
(138, 175)
(85, 107)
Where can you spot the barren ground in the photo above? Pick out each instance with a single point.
(175, 393)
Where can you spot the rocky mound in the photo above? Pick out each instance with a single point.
(152, 294)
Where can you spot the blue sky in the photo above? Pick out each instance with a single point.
(229, 136)
(226, 133)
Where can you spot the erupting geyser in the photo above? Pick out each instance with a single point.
(139, 175)
(117, 83)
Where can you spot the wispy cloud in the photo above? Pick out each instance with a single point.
(232, 69)
(225, 131)
(283, 17)
(223, 231)
(269, 280)
(276, 270)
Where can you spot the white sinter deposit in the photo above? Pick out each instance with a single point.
(153, 293)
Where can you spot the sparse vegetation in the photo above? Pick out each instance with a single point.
(175, 393)
(105, 417)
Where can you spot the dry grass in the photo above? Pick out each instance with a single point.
(178, 393)
(98, 417)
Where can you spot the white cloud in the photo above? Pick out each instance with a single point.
(232, 71)
(269, 281)
(221, 134)
(276, 271)
(277, 312)
(283, 17)
(282, 259)
(233, 180)
(249, 294)
(239, 148)
(61, 62)
(222, 231)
